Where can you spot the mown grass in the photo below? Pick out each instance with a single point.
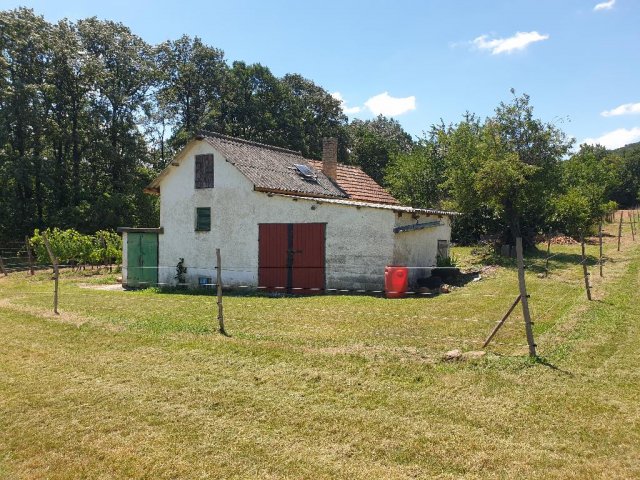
(140, 385)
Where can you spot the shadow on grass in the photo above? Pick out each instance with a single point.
(545, 363)
(253, 292)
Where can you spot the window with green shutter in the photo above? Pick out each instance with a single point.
(203, 219)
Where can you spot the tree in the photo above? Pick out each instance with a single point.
(591, 174)
(416, 177)
(310, 114)
(192, 77)
(375, 142)
(626, 161)
(509, 164)
(25, 55)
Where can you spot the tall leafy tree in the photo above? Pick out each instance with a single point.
(416, 177)
(120, 90)
(192, 77)
(374, 142)
(309, 114)
(509, 165)
(25, 56)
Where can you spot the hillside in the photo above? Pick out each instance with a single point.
(629, 148)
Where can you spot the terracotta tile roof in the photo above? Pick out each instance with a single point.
(272, 168)
(358, 185)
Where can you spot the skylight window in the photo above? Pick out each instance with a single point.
(306, 172)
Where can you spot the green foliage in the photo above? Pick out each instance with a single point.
(89, 113)
(626, 161)
(588, 178)
(73, 248)
(375, 142)
(572, 213)
(450, 261)
(504, 171)
(415, 177)
(518, 168)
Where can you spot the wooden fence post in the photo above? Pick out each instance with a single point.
(524, 298)
(56, 272)
(2, 269)
(501, 322)
(546, 262)
(633, 226)
(600, 238)
(585, 272)
(29, 256)
(620, 229)
(219, 283)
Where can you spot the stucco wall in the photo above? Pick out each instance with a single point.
(359, 241)
(419, 248)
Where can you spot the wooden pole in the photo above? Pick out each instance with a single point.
(103, 244)
(620, 229)
(524, 299)
(56, 272)
(585, 272)
(2, 269)
(29, 256)
(600, 239)
(633, 227)
(219, 283)
(546, 263)
(501, 322)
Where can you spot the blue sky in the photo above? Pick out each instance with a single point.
(420, 61)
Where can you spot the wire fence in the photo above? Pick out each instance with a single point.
(547, 309)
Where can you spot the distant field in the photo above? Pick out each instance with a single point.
(140, 385)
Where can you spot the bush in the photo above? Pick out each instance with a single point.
(74, 248)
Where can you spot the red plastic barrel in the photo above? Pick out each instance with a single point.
(396, 280)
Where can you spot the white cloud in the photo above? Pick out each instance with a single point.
(617, 138)
(625, 109)
(343, 104)
(604, 5)
(385, 104)
(519, 41)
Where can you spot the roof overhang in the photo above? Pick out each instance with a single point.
(383, 206)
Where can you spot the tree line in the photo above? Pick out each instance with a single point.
(512, 175)
(90, 113)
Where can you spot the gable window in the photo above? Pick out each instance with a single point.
(204, 171)
(203, 219)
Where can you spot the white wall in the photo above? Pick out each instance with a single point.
(359, 241)
(419, 248)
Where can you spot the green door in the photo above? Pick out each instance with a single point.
(142, 259)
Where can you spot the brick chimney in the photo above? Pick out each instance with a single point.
(330, 157)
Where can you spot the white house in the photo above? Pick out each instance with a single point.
(280, 220)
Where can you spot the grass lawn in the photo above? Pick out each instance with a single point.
(140, 385)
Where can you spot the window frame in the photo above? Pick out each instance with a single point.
(198, 216)
(447, 247)
(204, 171)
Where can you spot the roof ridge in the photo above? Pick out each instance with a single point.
(222, 136)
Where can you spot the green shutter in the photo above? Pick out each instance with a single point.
(203, 219)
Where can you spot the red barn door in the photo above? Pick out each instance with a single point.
(292, 257)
